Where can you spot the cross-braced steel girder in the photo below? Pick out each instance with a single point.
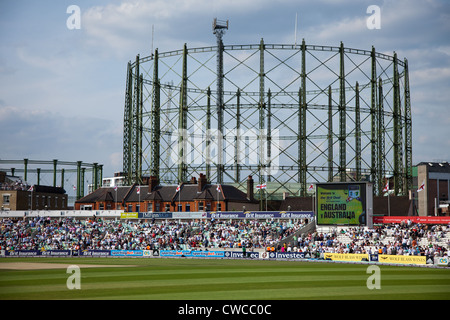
(290, 115)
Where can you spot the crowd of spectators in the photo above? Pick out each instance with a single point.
(14, 185)
(405, 238)
(102, 234)
(44, 233)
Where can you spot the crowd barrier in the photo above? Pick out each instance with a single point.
(345, 257)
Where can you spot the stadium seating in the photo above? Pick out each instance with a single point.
(283, 235)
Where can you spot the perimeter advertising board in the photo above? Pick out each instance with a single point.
(344, 203)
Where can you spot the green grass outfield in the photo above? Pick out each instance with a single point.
(219, 279)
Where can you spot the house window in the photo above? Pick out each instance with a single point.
(6, 199)
(138, 208)
(167, 208)
(180, 207)
(208, 207)
(200, 206)
(219, 206)
(101, 206)
(130, 208)
(150, 207)
(157, 207)
(188, 207)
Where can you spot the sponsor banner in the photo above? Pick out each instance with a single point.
(155, 215)
(384, 258)
(415, 219)
(151, 253)
(34, 253)
(345, 256)
(56, 253)
(240, 254)
(191, 253)
(22, 253)
(129, 215)
(286, 255)
(374, 257)
(264, 255)
(189, 215)
(442, 261)
(261, 215)
(127, 253)
(94, 253)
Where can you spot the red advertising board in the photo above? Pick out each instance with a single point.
(399, 219)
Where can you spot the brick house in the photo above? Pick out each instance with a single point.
(193, 196)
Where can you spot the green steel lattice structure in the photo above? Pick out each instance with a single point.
(289, 115)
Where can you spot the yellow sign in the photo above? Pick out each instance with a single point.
(346, 256)
(384, 258)
(129, 215)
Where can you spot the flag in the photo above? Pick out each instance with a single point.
(178, 187)
(31, 188)
(311, 187)
(386, 187)
(115, 188)
(422, 186)
(218, 188)
(261, 186)
(138, 190)
(74, 188)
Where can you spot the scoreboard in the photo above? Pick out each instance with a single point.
(344, 203)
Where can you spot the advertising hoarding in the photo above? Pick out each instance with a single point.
(346, 203)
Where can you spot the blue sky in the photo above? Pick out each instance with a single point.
(62, 91)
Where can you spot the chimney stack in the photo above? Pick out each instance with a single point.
(152, 183)
(250, 188)
(201, 182)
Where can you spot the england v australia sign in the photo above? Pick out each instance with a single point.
(344, 203)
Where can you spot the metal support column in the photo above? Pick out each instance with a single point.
(55, 162)
(95, 176)
(127, 126)
(135, 124)
(380, 138)
(78, 180)
(357, 134)
(182, 122)
(237, 140)
(408, 132)
(155, 121)
(25, 172)
(269, 136)
(62, 178)
(374, 123)
(208, 135)
(398, 136)
(330, 136)
(261, 106)
(303, 107)
(83, 170)
(342, 119)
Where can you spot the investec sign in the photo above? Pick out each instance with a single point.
(287, 255)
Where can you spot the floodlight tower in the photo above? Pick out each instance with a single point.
(219, 28)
